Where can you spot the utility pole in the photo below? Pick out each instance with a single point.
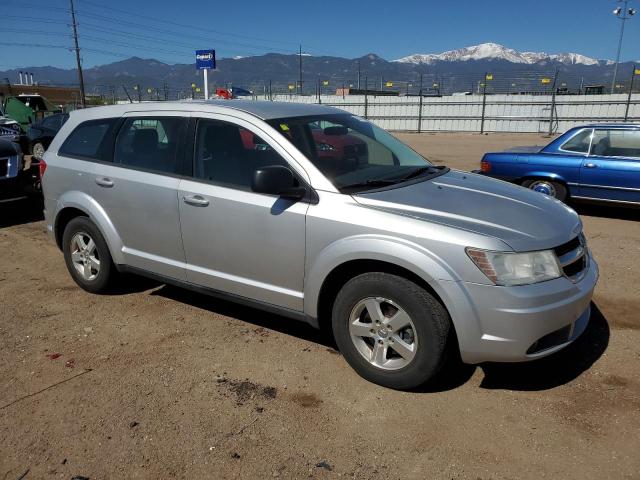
(484, 102)
(623, 13)
(553, 102)
(420, 107)
(358, 74)
(74, 25)
(633, 74)
(300, 80)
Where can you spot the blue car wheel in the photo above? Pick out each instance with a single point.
(547, 187)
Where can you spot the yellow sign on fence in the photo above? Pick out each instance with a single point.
(325, 82)
(489, 76)
(389, 84)
(291, 87)
(545, 80)
(637, 71)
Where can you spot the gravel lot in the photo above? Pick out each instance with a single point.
(156, 382)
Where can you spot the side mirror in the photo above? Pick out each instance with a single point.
(276, 180)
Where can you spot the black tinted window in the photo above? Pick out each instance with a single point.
(52, 122)
(150, 143)
(87, 139)
(229, 154)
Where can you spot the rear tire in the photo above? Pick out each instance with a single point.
(390, 330)
(547, 187)
(87, 255)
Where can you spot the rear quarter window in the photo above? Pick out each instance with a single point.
(88, 139)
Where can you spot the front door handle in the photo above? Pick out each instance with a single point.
(104, 182)
(591, 165)
(196, 200)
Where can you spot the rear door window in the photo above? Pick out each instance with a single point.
(88, 140)
(151, 143)
(616, 143)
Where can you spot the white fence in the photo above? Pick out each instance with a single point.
(502, 113)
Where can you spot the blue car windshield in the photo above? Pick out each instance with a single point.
(354, 154)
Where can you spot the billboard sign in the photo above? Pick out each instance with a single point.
(205, 59)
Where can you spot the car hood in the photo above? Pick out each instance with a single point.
(524, 219)
(524, 149)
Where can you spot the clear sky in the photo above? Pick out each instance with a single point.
(35, 32)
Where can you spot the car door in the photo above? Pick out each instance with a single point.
(238, 241)
(138, 191)
(612, 170)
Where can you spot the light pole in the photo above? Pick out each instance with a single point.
(624, 13)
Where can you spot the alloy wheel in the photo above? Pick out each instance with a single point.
(383, 333)
(84, 256)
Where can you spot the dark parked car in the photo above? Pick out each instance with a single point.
(41, 133)
(18, 179)
(594, 163)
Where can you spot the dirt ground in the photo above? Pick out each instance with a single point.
(153, 382)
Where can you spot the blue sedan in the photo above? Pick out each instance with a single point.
(593, 163)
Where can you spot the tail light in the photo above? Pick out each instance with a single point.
(42, 166)
(485, 166)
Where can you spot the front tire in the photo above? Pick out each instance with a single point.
(87, 256)
(390, 330)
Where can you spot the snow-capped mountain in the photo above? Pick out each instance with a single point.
(494, 51)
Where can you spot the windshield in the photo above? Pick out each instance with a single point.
(354, 154)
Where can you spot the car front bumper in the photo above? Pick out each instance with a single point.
(514, 324)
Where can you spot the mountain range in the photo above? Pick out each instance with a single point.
(455, 70)
(494, 51)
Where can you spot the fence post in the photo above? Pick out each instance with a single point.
(366, 97)
(553, 102)
(484, 102)
(626, 110)
(420, 107)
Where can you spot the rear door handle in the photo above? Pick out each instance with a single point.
(104, 182)
(591, 165)
(196, 200)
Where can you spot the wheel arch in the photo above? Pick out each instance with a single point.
(74, 204)
(342, 260)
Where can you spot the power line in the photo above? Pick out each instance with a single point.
(193, 27)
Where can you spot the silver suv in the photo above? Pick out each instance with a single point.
(323, 217)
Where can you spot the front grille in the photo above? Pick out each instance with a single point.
(4, 167)
(573, 257)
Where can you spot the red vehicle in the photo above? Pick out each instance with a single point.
(332, 143)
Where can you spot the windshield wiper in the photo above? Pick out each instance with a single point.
(419, 171)
(372, 183)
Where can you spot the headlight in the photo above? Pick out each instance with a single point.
(508, 268)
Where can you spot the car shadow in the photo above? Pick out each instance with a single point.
(248, 314)
(549, 372)
(19, 212)
(557, 369)
(606, 211)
